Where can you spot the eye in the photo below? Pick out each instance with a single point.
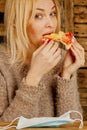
(38, 16)
(53, 13)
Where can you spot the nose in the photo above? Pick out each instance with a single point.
(49, 22)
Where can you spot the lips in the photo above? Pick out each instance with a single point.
(44, 39)
(48, 33)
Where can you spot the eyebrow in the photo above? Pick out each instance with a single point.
(43, 9)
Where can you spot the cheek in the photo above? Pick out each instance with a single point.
(34, 32)
(31, 31)
(55, 23)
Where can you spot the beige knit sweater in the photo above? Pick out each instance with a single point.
(53, 96)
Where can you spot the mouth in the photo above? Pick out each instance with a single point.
(48, 33)
(43, 36)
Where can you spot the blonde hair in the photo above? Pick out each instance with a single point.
(58, 10)
(16, 18)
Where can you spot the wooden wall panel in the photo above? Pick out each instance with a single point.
(80, 14)
(76, 20)
(68, 16)
(1, 30)
(2, 4)
(82, 79)
(80, 2)
(80, 30)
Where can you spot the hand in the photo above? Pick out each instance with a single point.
(74, 59)
(43, 60)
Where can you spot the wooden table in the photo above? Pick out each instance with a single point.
(74, 126)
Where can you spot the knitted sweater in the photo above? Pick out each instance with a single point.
(53, 96)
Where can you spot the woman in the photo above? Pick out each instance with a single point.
(36, 78)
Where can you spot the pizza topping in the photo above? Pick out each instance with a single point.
(65, 38)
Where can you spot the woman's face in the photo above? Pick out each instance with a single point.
(44, 21)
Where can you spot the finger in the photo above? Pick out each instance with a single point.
(79, 51)
(78, 56)
(76, 52)
(54, 48)
(75, 43)
(57, 59)
(78, 46)
(57, 53)
(41, 47)
(48, 47)
(55, 56)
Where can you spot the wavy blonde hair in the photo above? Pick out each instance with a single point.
(16, 19)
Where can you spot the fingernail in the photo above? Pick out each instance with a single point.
(73, 39)
(46, 41)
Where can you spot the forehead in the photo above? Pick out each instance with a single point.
(44, 4)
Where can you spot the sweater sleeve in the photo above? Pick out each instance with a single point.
(67, 95)
(3, 95)
(25, 102)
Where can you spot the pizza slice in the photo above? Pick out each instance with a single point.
(64, 38)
